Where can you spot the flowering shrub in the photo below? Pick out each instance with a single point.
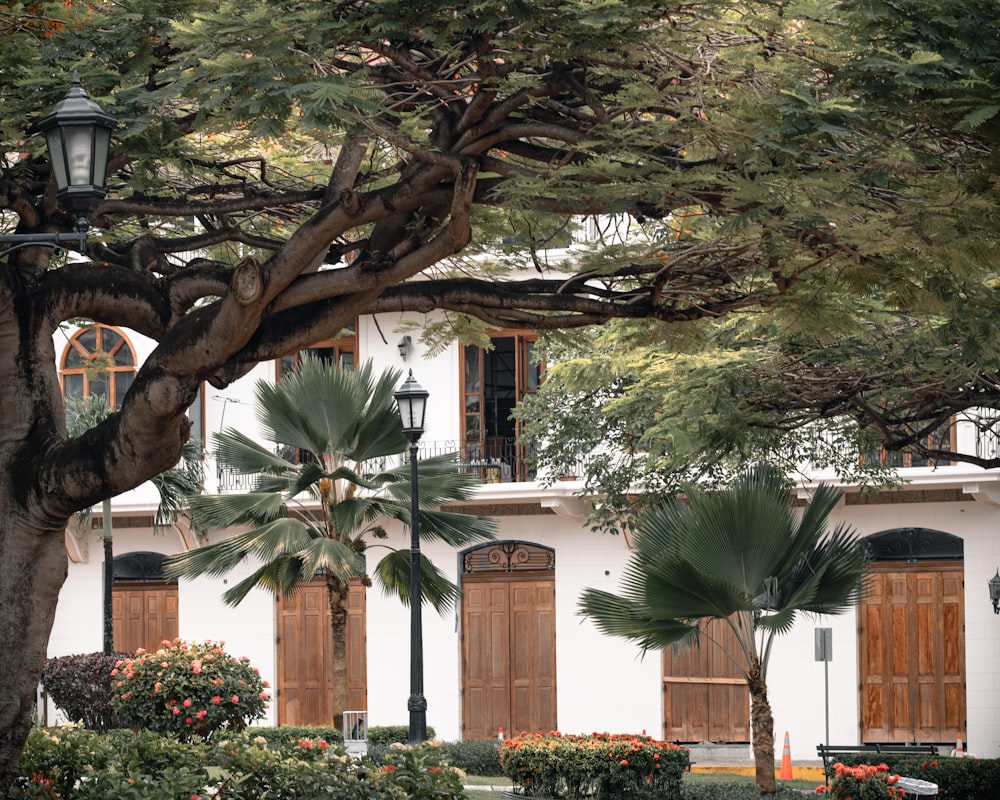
(607, 765)
(862, 782)
(421, 773)
(187, 689)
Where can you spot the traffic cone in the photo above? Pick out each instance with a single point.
(959, 750)
(786, 761)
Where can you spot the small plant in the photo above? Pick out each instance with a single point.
(188, 690)
(862, 782)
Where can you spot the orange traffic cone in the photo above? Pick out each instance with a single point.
(959, 750)
(786, 761)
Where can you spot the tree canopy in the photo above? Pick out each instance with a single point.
(282, 166)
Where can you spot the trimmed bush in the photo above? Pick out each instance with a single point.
(393, 734)
(81, 686)
(283, 734)
(556, 765)
(474, 756)
(188, 690)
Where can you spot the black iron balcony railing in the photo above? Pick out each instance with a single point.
(494, 461)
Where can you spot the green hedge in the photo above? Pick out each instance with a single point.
(957, 778)
(602, 765)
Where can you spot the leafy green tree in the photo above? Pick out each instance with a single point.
(336, 431)
(173, 486)
(283, 166)
(741, 555)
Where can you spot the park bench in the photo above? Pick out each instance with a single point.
(830, 752)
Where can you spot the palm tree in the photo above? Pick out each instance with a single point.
(174, 487)
(321, 499)
(741, 556)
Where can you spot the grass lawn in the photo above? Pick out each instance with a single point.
(689, 777)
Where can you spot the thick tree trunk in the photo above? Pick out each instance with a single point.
(338, 591)
(762, 728)
(33, 567)
(33, 562)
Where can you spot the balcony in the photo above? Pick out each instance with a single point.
(495, 462)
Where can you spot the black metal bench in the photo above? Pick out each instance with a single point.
(829, 752)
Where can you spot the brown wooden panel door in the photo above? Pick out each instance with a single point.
(912, 653)
(508, 655)
(705, 698)
(144, 615)
(305, 685)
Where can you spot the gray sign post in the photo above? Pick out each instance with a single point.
(824, 653)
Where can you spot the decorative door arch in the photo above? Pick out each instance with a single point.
(911, 646)
(508, 639)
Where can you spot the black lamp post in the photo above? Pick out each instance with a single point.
(78, 136)
(411, 398)
(995, 592)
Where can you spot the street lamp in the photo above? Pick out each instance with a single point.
(411, 398)
(78, 136)
(995, 592)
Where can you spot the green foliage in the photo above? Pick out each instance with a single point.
(279, 736)
(345, 424)
(474, 756)
(392, 734)
(740, 554)
(188, 690)
(604, 765)
(734, 791)
(957, 778)
(72, 763)
(421, 773)
(81, 686)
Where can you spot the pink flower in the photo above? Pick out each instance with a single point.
(196, 666)
(201, 714)
(187, 703)
(216, 700)
(156, 686)
(189, 720)
(177, 711)
(236, 699)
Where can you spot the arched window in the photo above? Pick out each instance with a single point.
(98, 361)
(341, 350)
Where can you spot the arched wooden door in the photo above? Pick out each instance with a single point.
(705, 698)
(912, 639)
(508, 639)
(304, 644)
(143, 604)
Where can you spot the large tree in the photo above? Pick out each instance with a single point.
(745, 558)
(324, 160)
(338, 438)
(852, 365)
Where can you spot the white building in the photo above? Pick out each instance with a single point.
(917, 663)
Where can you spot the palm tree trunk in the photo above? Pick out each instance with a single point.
(338, 591)
(762, 727)
(109, 579)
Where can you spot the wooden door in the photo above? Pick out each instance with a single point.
(705, 698)
(304, 644)
(144, 615)
(912, 653)
(508, 654)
